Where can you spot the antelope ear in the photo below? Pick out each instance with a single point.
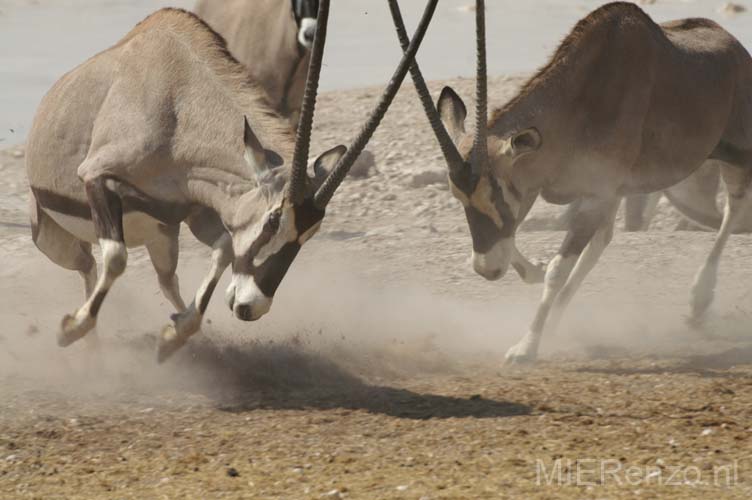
(522, 143)
(452, 112)
(259, 159)
(325, 163)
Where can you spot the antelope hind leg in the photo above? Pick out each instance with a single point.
(107, 215)
(737, 182)
(591, 216)
(66, 251)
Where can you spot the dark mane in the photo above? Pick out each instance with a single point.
(612, 12)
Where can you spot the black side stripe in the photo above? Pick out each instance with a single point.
(135, 201)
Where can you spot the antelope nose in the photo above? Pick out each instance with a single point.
(309, 33)
(243, 312)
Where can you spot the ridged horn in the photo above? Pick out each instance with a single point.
(296, 188)
(480, 145)
(451, 155)
(331, 184)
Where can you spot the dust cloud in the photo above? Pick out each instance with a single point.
(331, 324)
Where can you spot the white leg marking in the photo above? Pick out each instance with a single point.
(115, 258)
(526, 350)
(703, 288)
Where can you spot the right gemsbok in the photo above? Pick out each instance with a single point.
(624, 106)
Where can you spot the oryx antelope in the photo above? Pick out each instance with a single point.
(624, 106)
(150, 133)
(273, 39)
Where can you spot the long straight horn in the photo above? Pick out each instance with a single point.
(451, 155)
(480, 146)
(331, 184)
(305, 124)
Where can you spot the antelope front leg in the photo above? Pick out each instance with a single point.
(584, 265)
(592, 215)
(163, 252)
(529, 272)
(188, 322)
(107, 215)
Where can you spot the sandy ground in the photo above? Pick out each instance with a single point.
(378, 372)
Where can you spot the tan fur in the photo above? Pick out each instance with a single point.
(162, 110)
(614, 110)
(262, 34)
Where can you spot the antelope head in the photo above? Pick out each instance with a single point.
(273, 222)
(305, 12)
(479, 180)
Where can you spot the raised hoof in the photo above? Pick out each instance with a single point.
(169, 343)
(72, 330)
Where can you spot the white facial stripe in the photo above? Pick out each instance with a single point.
(243, 239)
(309, 234)
(286, 233)
(306, 24)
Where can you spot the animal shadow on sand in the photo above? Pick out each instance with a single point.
(288, 376)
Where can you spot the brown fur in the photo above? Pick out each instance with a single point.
(616, 12)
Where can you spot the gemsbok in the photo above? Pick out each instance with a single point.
(151, 133)
(272, 39)
(624, 106)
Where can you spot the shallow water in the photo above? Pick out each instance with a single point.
(42, 39)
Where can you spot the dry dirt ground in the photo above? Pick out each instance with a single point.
(378, 372)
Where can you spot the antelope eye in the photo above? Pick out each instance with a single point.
(273, 221)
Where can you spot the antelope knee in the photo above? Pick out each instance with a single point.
(115, 257)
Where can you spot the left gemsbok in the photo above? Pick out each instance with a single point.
(167, 127)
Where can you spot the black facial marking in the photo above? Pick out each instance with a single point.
(206, 297)
(307, 215)
(483, 230)
(464, 180)
(503, 209)
(305, 8)
(269, 275)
